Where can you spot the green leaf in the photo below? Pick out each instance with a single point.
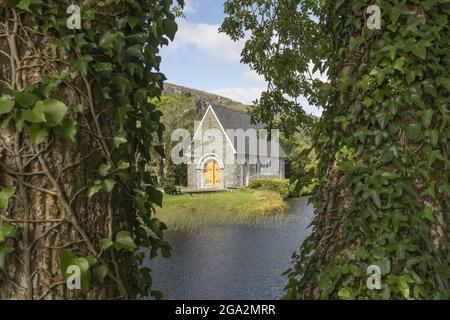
(54, 111)
(97, 187)
(375, 198)
(156, 196)
(8, 231)
(105, 244)
(26, 99)
(38, 134)
(428, 214)
(92, 261)
(414, 132)
(399, 63)
(132, 21)
(5, 195)
(123, 165)
(120, 139)
(6, 105)
(68, 130)
(65, 260)
(24, 5)
(82, 64)
(108, 185)
(420, 51)
(103, 169)
(33, 116)
(170, 28)
(124, 241)
(81, 262)
(378, 252)
(427, 117)
(368, 102)
(109, 39)
(99, 273)
(5, 249)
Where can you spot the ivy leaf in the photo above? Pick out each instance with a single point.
(124, 241)
(103, 169)
(26, 99)
(132, 21)
(8, 231)
(96, 188)
(108, 185)
(81, 262)
(109, 39)
(156, 196)
(82, 64)
(428, 214)
(378, 252)
(105, 244)
(68, 130)
(92, 260)
(427, 117)
(170, 28)
(65, 259)
(99, 273)
(24, 5)
(420, 51)
(120, 138)
(5, 249)
(414, 132)
(54, 111)
(123, 165)
(6, 105)
(38, 134)
(33, 116)
(375, 198)
(399, 63)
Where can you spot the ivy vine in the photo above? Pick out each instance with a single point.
(110, 70)
(382, 141)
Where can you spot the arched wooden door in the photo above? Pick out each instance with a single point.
(212, 174)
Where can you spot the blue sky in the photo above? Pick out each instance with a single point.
(204, 59)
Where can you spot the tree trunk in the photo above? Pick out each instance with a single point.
(384, 201)
(51, 180)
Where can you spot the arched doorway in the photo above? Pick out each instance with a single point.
(212, 174)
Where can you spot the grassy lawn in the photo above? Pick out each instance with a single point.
(185, 212)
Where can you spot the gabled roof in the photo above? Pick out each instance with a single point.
(232, 119)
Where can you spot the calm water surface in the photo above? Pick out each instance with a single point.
(233, 261)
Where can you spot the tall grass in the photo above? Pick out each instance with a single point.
(241, 207)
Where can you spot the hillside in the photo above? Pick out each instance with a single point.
(203, 99)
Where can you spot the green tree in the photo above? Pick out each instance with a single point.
(76, 130)
(382, 141)
(178, 112)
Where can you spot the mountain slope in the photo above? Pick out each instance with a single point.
(203, 99)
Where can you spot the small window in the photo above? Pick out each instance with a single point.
(265, 166)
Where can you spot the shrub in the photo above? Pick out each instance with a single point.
(168, 184)
(280, 186)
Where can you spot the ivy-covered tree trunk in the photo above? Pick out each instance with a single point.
(382, 141)
(385, 196)
(71, 190)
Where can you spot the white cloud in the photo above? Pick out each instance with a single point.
(207, 38)
(245, 96)
(253, 76)
(190, 6)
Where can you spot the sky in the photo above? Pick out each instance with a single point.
(202, 58)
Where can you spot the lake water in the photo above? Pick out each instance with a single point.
(233, 261)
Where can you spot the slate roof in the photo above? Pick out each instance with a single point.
(233, 119)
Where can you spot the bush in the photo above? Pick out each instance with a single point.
(168, 184)
(280, 186)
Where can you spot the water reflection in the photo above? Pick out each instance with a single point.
(233, 261)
